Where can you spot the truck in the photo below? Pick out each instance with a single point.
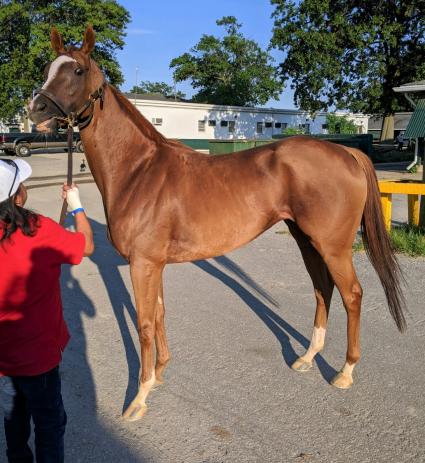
(21, 143)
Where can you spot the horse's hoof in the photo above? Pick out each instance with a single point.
(301, 365)
(342, 381)
(135, 412)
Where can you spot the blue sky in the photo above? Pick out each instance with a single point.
(162, 30)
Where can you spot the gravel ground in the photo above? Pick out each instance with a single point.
(235, 324)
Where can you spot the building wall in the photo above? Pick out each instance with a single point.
(184, 120)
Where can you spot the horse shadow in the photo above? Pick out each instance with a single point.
(282, 330)
(108, 262)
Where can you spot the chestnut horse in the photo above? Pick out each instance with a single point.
(166, 203)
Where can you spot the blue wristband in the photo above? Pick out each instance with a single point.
(76, 211)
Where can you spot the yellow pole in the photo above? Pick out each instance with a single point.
(413, 209)
(386, 201)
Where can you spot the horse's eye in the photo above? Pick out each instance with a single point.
(79, 71)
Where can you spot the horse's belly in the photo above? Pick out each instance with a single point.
(206, 242)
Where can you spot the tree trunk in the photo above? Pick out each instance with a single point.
(387, 129)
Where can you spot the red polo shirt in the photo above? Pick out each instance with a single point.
(33, 333)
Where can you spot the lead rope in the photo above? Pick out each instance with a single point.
(70, 134)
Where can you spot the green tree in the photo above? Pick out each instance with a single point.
(25, 42)
(340, 124)
(156, 87)
(350, 53)
(232, 70)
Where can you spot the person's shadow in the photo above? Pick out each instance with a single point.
(86, 436)
(108, 262)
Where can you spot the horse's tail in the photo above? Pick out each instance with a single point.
(378, 245)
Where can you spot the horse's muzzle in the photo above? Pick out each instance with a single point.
(43, 112)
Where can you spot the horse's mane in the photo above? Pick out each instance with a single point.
(137, 118)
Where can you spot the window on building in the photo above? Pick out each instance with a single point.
(224, 123)
(157, 120)
(212, 123)
(259, 127)
(269, 125)
(201, 126)
(278, 125)
(325, 126)
(231, 126)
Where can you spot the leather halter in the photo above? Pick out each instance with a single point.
(74, 118)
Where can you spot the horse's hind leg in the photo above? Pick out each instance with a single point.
(162, 352)
(145, 277)
(323, 288)
(342, 270)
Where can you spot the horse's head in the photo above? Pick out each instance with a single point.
(71, 80)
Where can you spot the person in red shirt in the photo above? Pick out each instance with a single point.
(33, 332)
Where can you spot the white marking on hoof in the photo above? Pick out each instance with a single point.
(344, 379)
(135, 412)
(138, 407)
(301, 365)
(316, 344)
(341, 381)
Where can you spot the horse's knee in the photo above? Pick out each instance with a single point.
(146, 332)
(354, 298)
(163, 358)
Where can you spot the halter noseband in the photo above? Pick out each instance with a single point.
(74, 118)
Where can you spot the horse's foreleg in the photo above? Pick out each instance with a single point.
(323, 289)
(162, 352)
(145, 277)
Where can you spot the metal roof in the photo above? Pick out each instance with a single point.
(411, 87)
(416, 127)
(152, 96)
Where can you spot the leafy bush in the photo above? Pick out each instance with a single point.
(340, 124)
(293, 131)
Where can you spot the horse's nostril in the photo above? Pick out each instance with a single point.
(41, 106)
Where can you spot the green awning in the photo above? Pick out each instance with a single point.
(416, 126)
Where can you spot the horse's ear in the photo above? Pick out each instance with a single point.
(88, 41)
(56, 41)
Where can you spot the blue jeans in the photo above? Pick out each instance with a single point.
(37, 397)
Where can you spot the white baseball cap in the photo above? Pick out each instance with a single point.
(12, 174)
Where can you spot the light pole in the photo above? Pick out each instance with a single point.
(135, 88)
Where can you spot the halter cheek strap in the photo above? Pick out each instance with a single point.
(73, 119)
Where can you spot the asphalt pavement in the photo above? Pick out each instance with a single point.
(235, 324)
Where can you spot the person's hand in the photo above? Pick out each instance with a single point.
(72, 196)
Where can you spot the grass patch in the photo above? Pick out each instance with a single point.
(407, 239)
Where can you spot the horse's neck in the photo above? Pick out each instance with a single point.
(118, 142)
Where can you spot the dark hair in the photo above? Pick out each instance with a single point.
(14, 217)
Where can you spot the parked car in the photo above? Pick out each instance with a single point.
(21, 143)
